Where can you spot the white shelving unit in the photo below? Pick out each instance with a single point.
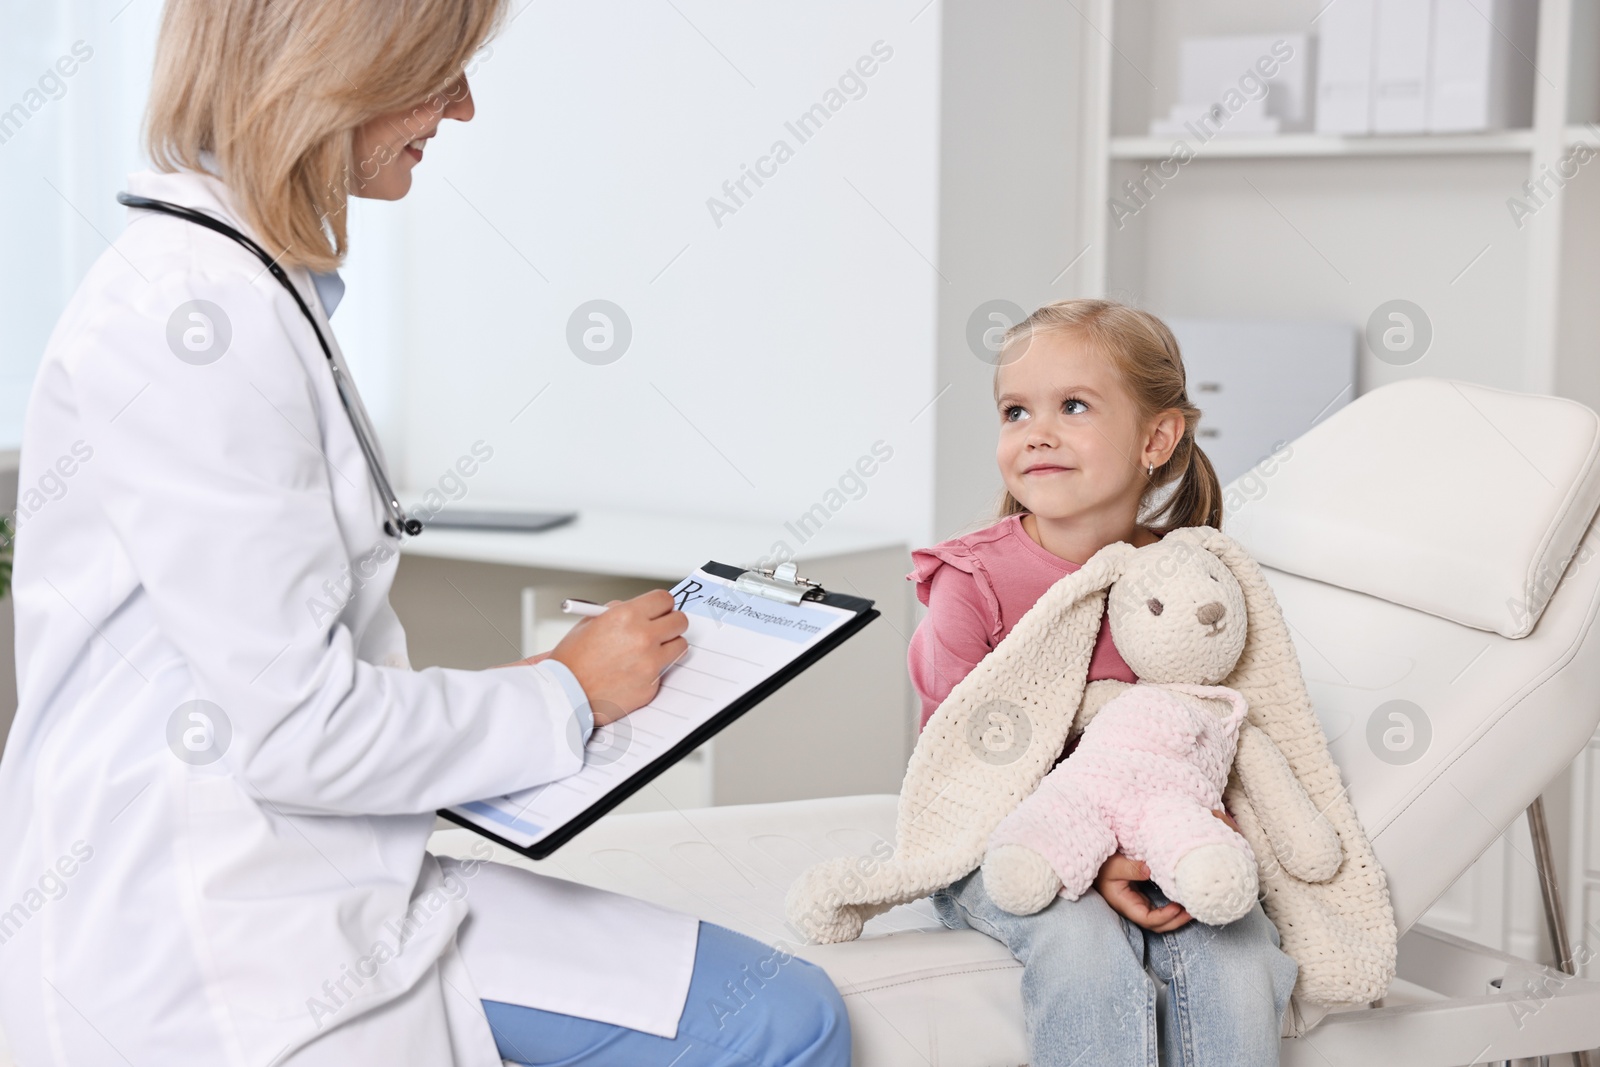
(1294, 145)
(1344, 223)
(1313, 226)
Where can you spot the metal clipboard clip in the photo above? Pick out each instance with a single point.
(782, 582)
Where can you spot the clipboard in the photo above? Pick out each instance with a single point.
(747, 587)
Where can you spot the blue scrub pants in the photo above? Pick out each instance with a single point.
(749, 1005)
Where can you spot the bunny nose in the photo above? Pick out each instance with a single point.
(1210, 614)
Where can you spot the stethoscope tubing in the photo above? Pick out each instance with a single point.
(397, 523)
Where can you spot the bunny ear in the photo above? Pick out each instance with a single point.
(1001, 728)
(1103, 568)
(1043, 663)
(1355, 902)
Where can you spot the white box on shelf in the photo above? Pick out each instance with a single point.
(1401, 43)
(1255, 84)
(1482, 76)
(1262, 383)
(1344, 67)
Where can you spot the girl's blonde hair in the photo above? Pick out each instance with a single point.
(1145, 356)
(275, 89)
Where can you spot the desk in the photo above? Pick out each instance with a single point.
(476, 598)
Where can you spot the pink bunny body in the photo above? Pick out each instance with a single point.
(1146, 776)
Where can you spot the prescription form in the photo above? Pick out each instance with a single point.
(737, 641)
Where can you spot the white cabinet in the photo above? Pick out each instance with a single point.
(1260, 383)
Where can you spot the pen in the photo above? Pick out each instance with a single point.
(575, 606)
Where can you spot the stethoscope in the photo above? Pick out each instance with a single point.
(397, 522)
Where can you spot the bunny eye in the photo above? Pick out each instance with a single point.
(1154, 605)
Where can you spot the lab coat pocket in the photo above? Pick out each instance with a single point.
(316, 883)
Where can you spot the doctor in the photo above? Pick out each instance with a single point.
(215, 800)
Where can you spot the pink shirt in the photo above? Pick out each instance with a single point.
(976, 587)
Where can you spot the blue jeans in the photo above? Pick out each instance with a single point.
(1087, 998)
(749, 1005)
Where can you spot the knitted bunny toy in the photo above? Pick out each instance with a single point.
(1151, 767)
(1001, 730)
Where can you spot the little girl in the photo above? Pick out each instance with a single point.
(1094, 420)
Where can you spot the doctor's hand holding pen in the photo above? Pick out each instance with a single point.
(618, 652)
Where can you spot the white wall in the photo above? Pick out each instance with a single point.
(767, 358)
(1332, 239)
(1010, 222)
(62, 160)
(769, 353)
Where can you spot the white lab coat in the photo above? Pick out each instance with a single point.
(277, 905)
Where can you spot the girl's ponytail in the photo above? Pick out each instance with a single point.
(1145, 354)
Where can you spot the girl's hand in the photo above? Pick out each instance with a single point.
(1115, 884)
